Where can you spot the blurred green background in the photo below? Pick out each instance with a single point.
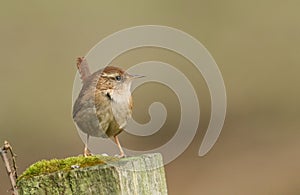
(255, 44)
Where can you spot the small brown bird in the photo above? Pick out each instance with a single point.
(104, 103)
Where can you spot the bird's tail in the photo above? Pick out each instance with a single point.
(83, 68)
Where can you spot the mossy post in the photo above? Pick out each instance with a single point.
(133, 175)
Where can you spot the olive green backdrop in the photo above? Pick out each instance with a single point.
(255, 44)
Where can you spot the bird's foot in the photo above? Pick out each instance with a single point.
(121, 155)
(87, 152)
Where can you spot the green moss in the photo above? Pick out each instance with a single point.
(53, 165)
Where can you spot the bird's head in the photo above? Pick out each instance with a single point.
(117, 79)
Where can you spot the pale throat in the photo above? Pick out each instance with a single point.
(121, 96)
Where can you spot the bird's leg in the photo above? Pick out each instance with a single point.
(122, 154)
(86, 151)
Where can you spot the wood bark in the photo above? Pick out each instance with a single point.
(133, 175)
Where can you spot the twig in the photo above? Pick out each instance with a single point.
(11, 167)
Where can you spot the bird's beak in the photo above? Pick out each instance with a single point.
(136, 76)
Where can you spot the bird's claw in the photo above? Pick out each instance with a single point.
(87, 152)
(121, 155)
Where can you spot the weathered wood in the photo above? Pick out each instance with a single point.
(10, 165)
(133, 175)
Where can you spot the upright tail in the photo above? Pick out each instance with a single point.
(83, 68)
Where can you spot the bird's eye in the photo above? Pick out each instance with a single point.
(118, 78)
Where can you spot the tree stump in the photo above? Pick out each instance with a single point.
(133, 175)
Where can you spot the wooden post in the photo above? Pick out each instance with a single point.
(132, 175)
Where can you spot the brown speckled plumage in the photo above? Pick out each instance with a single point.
(104, 103)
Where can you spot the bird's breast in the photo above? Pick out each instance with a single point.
(121, 108)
